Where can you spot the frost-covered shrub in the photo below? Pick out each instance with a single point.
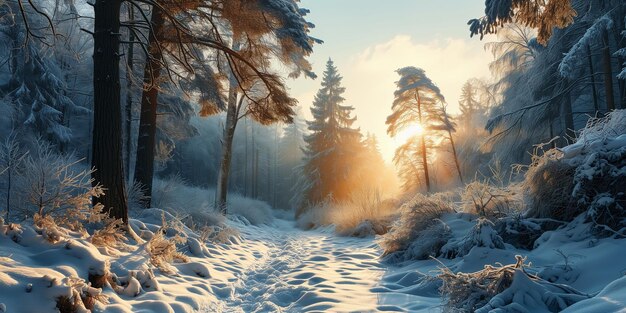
(257, 212)
(175, 196)
(364, 214)
(521, 232)
(489, 201)
(587, 177)
(54, 184)
(110, 235)
(548, 184)
(427, 244)
(163, 249)
(482, 234)
(508, 288)
(416, 216)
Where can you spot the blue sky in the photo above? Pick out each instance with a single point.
(369, 40)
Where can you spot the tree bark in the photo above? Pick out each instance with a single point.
(594, 92)
(221, 191)
(107, 128)
(129, 94)
(423, 138)
(568, 117)
(608, 72)
(146, 142)
(456, 158)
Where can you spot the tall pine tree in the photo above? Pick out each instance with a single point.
(331, 145)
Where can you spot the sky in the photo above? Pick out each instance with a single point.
(368, 40)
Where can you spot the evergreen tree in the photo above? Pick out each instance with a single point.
(332, 144)
(416, 102)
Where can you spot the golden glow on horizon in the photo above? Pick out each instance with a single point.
(411, 131)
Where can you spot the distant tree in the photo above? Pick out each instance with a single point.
(331, 145)
(11, 165)
(417, 100)
(290, 156)
(37, 87)
(448, 126)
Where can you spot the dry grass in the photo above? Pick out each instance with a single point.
(163, 250)
(467, 292)
(111, 235)
(416, 216)
(364, 214)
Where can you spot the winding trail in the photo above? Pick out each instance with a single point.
(285, 269)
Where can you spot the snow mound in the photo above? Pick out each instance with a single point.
(482, 234)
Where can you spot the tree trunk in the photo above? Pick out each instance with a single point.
(146, 142)
(608, 72)
(568, 117)
(107, 116)
(423, 138)
(594, 92)
(456, 158)
(221, 191)
(620, 44)
(129, 94)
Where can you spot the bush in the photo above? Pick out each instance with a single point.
(587, 177)
(549, 183)
(485, 200)
(364, 214)
(416, 216)
(508, 288)
(481, 235)
(195, 205)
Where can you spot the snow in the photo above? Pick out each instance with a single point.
(280, 268)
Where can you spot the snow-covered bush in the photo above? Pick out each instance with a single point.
(427, 244)
(315, 216)
(548, 184)
(420, 214)
(110, 235)
(508, 288)
(54, 184)
(587, 177)
(482, 234)
(197, 204)
(522, 232)
(485, 200)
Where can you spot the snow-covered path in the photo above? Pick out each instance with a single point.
(289, 270)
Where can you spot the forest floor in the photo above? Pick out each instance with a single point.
(297, 270)
(280, 268)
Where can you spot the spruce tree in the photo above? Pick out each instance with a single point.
(332, 144)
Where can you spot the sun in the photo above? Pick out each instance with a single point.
(409, 132)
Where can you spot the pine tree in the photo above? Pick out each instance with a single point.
(417, 101)
(331, 145)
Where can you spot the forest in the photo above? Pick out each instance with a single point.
(205, 156)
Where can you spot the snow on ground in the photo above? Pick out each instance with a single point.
(279, 268)
(271, 268)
